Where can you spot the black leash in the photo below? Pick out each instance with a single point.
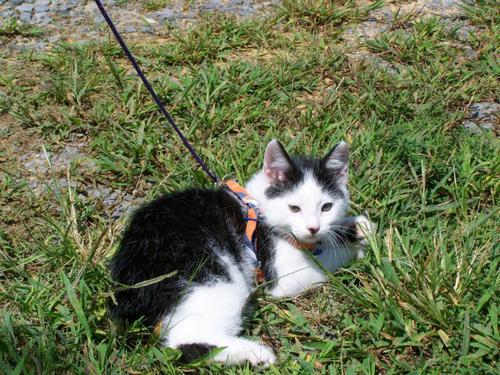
(157, 100)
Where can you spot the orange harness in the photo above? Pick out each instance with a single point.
(251, 214)
(251, 218)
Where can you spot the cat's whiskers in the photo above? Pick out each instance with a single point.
(340, 228)
(336, 239)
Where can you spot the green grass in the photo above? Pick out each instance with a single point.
(317, 13)
(425, 299)
(153, 5)
(11, 28)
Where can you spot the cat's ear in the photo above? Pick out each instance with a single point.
(276, 162)
(337, 161)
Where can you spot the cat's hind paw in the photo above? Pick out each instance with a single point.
(243, 350)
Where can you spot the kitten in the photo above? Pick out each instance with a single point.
(196, 238)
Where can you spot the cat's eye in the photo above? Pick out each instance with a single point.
(294, 208)
(326, 207)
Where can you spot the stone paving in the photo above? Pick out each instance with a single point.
(76, 20)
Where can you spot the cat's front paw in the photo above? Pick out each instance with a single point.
(363, 228)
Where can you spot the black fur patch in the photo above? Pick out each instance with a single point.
(191, 352)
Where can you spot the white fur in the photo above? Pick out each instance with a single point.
(295, 269)
(364, 230)
(211, 314)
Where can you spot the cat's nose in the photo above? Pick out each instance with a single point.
(313, 230)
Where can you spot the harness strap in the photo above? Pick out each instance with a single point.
(251, 214)
(252, 219)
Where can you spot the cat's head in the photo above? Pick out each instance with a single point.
(300, 195)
